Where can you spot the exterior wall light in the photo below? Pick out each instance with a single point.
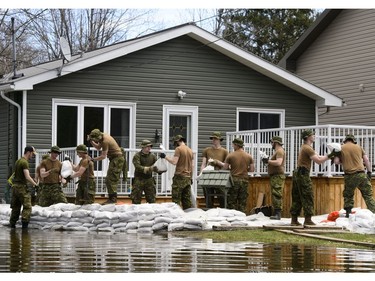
(181, 94)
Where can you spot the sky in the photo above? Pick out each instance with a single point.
(172, 4)
(172, 12)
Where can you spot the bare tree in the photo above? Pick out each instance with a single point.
(23, 51)
(84, 29)
(38, 31)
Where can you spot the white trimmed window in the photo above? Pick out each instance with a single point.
(256, 119)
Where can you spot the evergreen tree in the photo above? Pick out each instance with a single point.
(268, 33)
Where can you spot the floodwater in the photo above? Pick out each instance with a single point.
(35, 250)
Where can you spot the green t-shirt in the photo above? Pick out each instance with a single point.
(19, 176)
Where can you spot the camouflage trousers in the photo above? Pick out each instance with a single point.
(85, 192)
(21, 198)
(277, 188)
(113, 174)
(302, 194)
(51, 194)
(181, 191)
(361, 181)
(143, 185)
(237, 194)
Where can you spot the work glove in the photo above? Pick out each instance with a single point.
(148, 170)
(333, 154)
(265, 160)
(162, 155)
(68, 179)
(369, 175)
(154, 169)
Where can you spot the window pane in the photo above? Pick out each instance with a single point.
(269, 121)
(93, 119)
(179, 125)
(248, 121)
(120, 122)
(66, 126)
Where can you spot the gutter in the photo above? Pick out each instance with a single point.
(2, 94)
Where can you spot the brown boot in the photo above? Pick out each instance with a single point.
(308, 221)
(295, 221)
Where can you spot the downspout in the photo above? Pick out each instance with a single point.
(19, 121)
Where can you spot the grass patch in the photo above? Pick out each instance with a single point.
(272, 236)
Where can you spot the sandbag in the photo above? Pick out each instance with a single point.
(334, 147)
(207, 168)
(263, 155)
(193, 198)
(66, 169)
(161, 164)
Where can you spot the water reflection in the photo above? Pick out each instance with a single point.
(36, 250)
(20, 251)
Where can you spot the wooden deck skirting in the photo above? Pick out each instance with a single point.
(327, 195)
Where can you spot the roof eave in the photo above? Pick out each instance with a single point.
(262, 66)
(7, 87)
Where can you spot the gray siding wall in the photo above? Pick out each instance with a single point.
(339, 61)
(4, 143)
(151, 78)
(8, 129)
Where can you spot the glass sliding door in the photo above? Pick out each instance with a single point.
(74, 120)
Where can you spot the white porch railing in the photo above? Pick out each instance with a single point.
(255, 141)
(259, 140)
(163, 182)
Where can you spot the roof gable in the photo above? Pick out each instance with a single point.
(52, 70)
(307, 38)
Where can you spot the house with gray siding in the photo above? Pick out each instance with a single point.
(337, 54)
(130, 90)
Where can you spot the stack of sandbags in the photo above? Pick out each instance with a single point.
(142, 218)
(361, 221)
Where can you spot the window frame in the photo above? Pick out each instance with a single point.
(107, 106)
(280, 112)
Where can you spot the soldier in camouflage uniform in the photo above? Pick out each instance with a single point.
(109, 148)
(21, 197)
(240, 164)
(50, 169)
(302, 192)
(39, 180)
(276, 171)
(215, 151)
(86, 189)
(143, 162)
(183, 159)
(352, 156)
